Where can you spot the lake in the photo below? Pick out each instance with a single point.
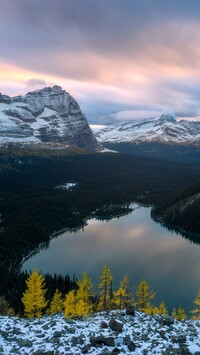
(134, 245)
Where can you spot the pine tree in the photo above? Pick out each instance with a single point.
(84, 296)
(56, 304)
(5, 309)
(105, 286)
(69, 305)
(196, 311)
(123, 296)
(144, 296)
(34, 296)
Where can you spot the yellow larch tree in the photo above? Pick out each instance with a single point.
(105, 287)
(56, 304)
(179, 313)
(123, 295)
(78, 302)
(84, 296)
(34, 296)
(162, 308)
(196, 311)
(144, 296)
(69, 305)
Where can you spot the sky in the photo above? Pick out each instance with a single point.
(120, 59)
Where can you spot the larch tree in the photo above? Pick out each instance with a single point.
(144, 297)
(105, 287)
(56, 304)
(123, 295)
(196, 311)
(162, 308)
(179, 313)
(69, 305)
(33, 298)
(84, 296)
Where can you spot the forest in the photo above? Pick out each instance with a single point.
(80, 300)
(33, 206)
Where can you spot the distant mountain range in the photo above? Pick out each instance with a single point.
(50, 115)
(165, 129)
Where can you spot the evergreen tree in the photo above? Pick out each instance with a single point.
(5, 309)
(56, 304)
(196, 311)
(34, 296)
(69, 305)
(123, 295)
(84, 296)
(179, 313)
(105, 286)
(144, 296)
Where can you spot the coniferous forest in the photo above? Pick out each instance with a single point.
(33, 207)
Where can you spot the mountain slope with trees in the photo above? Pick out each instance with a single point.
(181, 211)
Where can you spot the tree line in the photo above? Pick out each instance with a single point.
(82, 302)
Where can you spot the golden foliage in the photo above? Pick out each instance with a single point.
(34, 295)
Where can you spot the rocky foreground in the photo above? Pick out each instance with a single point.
(102, 333)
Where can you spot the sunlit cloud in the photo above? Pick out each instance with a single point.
(111, 57)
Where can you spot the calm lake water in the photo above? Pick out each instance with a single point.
(134, 245)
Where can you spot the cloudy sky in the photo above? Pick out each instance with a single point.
(121, 59)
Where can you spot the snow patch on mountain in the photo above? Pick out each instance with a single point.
(164, 129)
(47, 115)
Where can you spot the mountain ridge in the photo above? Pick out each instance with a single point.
(47, 115)
(164, 129)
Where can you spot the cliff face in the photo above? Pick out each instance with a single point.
(47, 115)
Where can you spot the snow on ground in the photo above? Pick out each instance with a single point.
(141, 334)
(67, 186)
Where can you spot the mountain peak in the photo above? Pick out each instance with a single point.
(46, 115)
(165, 117)
(164, 129)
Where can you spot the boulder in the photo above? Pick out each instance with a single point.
(167, 320)
(130, 310)
(115, 325)
(85, 349)
(108, 341)
(104, 325)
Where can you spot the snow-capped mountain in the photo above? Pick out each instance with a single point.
(165, 129)
(47, 115)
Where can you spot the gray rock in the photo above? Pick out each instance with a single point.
(24, 342)
(104, 325)
(115, 325)
(57, 334)
(39, 352)
(108, 341)
(71, 330)
(77, 340)
(130, 310)
(85, 349)
(167, 320)
(181, 339)
(130, 344)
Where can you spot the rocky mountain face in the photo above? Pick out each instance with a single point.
(50, 115)
(165, 129)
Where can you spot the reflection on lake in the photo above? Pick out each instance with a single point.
(134, 245)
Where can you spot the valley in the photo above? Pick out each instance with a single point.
(32, 208)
